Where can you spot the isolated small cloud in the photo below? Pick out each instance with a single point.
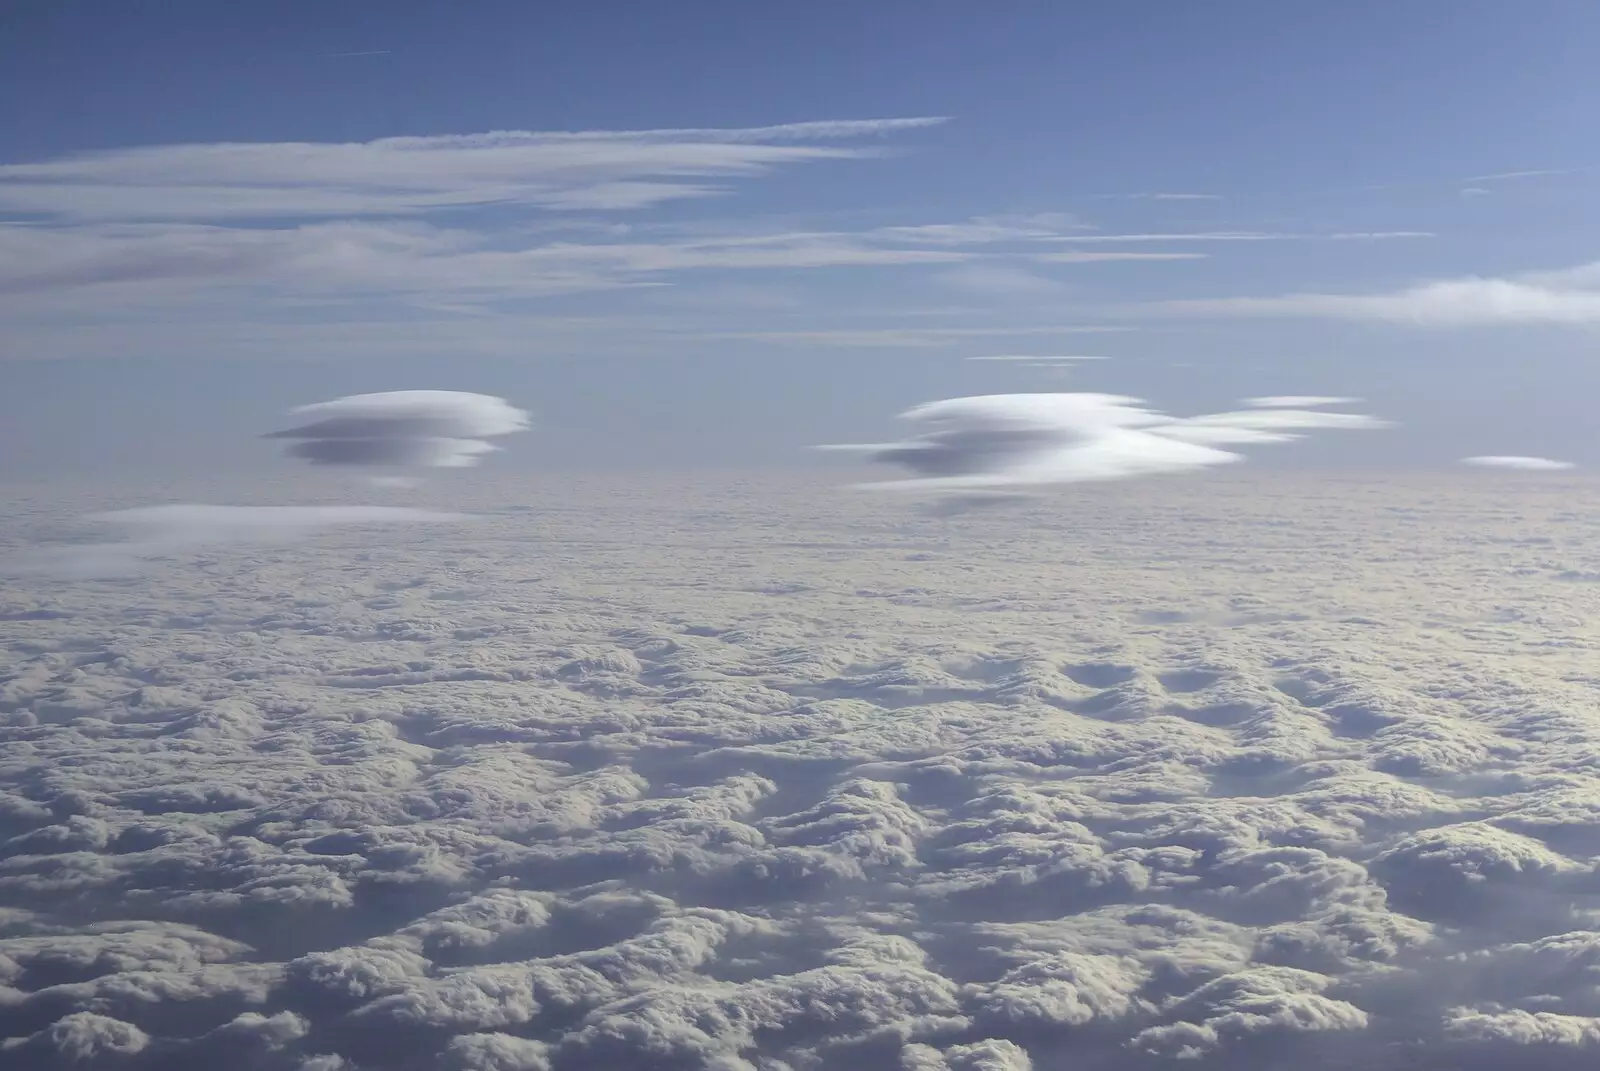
(403, 429)
(1512, 461)
(1001, 442)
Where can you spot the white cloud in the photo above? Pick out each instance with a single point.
(1562, 297)
(994, 280)
(548, 796)
(1244, 236)
(416, 262)
(1003, 442)
(162, 531)
(390, 176)
(1039, 357)
(1511, 461)
(403, 429)
(1078, 257)
(1297, 401)
(1265, 425)
(897, 337)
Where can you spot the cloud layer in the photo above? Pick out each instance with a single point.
(1260, 773)
(152, 532)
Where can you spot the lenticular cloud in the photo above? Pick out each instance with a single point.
(996, 443)
(403, 429)
(1512, 461)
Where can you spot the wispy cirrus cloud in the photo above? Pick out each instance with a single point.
(1027, 357)
(326, 241)
(1158, 196)
(1570, 296)
(916, 337)
(397, 258)
(1082, 256)
(1244, 236)
(992, 280)
(588, 170)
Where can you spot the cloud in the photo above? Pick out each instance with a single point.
(457, 222)
(999, 281)
(1158, 197)
(392, 176)
(163, 531)
(417, 262)
(1078, 257)
(1508, 461)
(403, 429)
(1298, 401)
(1261, 425)
(1244, 236)
(1043, 357)
(1239, 772)
(920, 337)
(1003, 442)
(1571, 296)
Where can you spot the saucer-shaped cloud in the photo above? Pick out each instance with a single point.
(1512, 461)
(997, 441)
(402, 429)
(993, 442)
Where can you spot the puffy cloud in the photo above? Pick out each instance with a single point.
(1001, 442)
(1251, 1003)
(402, 429)
(1524, 1028)
(82, 1039)
(496, 1052)
(1175, 778)
(1512, 461)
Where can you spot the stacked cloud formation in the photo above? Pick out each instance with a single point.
(403, 429)
(998, 442)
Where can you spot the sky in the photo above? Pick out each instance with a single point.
(715, 234)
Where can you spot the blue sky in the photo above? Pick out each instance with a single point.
(728, 230)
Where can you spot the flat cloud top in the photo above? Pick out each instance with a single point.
(1223, 772)
(439, 414)
(1512, 461)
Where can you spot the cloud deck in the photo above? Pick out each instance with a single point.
(1025, 792)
